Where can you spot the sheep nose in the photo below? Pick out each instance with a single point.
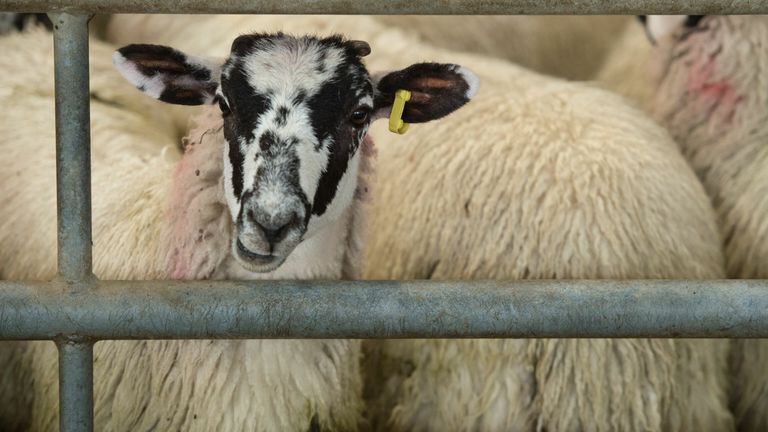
(274, 227)
(273, 233)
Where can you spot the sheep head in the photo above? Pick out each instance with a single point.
(295, 112)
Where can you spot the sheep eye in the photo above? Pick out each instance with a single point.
(359, 117)
(223, 106)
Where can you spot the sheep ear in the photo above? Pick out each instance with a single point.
(436, 91)
(167, 74)
(659, 26)
(361, 48)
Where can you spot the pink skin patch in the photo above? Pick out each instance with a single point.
(367, 156)
(712, 90)
(200, 227)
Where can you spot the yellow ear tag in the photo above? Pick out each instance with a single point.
(396, 123)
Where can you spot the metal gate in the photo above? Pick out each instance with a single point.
(75, 310)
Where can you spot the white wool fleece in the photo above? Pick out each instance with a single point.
(540, 179)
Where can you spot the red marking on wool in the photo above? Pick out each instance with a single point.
(177, 216)
(704, 81)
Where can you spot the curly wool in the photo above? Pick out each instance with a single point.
(712, 96)
(593, 189)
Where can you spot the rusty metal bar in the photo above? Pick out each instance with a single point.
(73, 146)
(401, 7)
(385, 309)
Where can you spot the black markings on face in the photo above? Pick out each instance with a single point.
(282, 113)
(299, 98)
(236, 159)
(267, 141)
(246, 103)
(282, 116)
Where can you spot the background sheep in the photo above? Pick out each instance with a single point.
(613, 199)
(145, 227)
(708, 88)
(625, 68)
(591, 189)
(571, 47)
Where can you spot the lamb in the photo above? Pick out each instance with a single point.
(570, 47)
(547, 180)
(708, 89)
(267, 188)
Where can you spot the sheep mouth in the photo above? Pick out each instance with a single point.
(254, 261)
(247, 253)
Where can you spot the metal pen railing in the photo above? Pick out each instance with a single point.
(75, 310)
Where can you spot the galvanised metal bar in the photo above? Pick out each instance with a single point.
(75, 386)
(73, 197)
(385, 309)
(442, 7)
(73, 147)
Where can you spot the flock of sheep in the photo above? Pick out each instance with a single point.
(652, 162)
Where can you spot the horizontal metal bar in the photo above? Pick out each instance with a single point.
(73, 146)
(75, 386)
(386, 309)
(401, 7)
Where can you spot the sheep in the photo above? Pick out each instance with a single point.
(267, 188)
(624, 68)
(591, 189)
(708, 89)
(570, 47)
(12, 22)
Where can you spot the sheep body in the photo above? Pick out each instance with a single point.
(626, 69)
(570, 47)
(710, 93)
(156, 212)
(592, 189)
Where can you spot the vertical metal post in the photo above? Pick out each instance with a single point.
(73, 151)
(75, 386)
(73, 197)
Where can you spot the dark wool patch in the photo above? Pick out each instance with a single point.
(246, 104)
(236, 159)
(281, 117)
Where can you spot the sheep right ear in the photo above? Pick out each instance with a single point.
(167, 74)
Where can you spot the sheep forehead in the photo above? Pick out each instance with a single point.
(290, 66)
(288, 72)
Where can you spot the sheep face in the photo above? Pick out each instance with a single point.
(710, 79)
(295, 112)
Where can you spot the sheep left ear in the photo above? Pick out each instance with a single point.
(436, 90)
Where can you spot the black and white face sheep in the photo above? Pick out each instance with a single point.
(295, 112)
